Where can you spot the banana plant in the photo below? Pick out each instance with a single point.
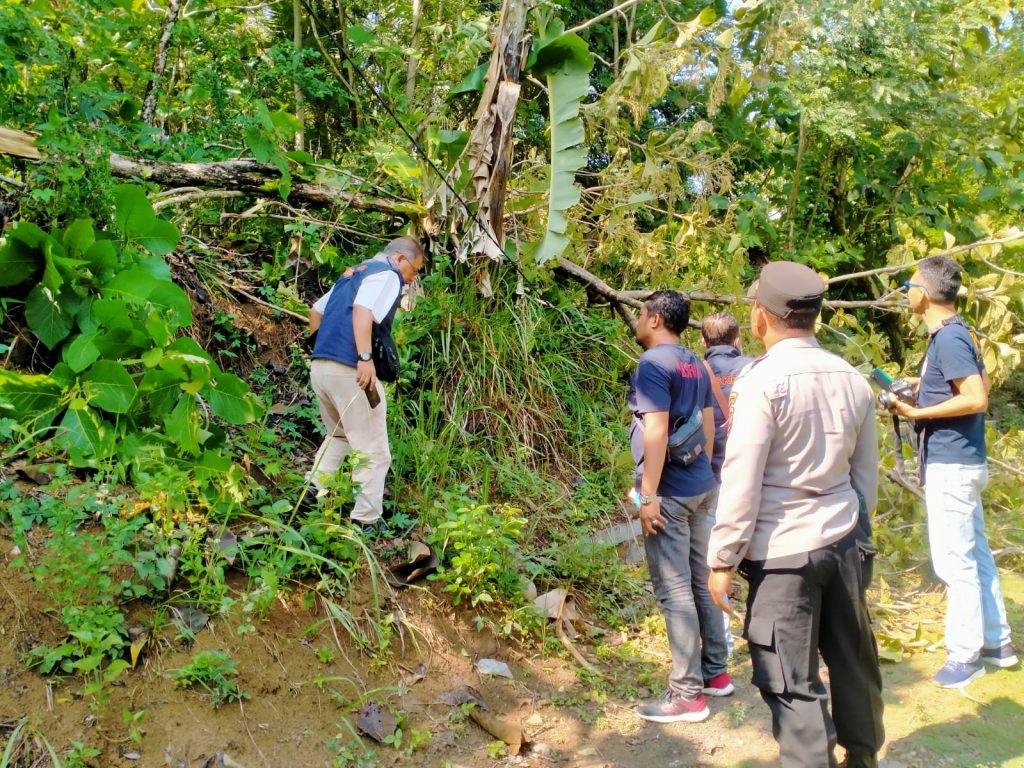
(563, 60)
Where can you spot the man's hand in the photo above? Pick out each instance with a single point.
(905, 410)
(366, 374)
(719, 585)
(651, 519)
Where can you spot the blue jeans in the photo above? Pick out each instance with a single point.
(975, 614)
(726, 618)
(678, 561)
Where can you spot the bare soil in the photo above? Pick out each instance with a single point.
(301, 700)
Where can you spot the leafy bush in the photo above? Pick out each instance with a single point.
(479, 546)
(129, 394)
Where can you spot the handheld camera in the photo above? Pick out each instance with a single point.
(892, 390)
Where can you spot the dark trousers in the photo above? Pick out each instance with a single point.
(795, 608)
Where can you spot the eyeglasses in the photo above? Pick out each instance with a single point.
(907, 285)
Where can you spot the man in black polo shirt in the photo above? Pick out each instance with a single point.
(952, 399)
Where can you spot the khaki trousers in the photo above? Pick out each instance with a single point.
(350, 423)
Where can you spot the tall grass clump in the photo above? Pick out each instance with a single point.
(516, 399)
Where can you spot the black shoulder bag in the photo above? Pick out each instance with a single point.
(385, 354)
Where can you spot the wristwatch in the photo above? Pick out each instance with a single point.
(365, 356)
(641, 499)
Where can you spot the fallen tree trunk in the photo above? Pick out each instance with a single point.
(18, 143)
(251, 177)
(244, 175)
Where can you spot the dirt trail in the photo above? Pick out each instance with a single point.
(302, 684)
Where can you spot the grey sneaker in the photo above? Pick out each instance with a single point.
(956, 674)
(1002, 657)
(674, 708)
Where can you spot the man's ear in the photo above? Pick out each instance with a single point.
(654, 320)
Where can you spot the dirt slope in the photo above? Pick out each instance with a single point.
(304, 686)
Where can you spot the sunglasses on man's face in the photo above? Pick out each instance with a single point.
(907, 285)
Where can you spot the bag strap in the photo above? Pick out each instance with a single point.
(719, 397)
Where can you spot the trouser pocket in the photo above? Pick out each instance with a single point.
(764, 655)
(866, 551)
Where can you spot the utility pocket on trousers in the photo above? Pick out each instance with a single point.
(867, 552)
(768, 673)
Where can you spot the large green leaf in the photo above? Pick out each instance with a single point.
(161, 391)
(86, 437)
(233, 401)
(132, 286)
(22, 254)
(473, 81)
(47, 316)
(113, 313)
(563, 59)
(119, 343)
(161, 239)
(30, 399)
(102, 258)
(190, 363)
(173, 303)
(112, 386)
(133, 213)
(79, 237)
(53, 275)
(182, 426)
(82, 351)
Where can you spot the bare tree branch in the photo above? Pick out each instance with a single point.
(198, 11)
(602, 16)
(172, 198)
(951, 252)
(256, 300)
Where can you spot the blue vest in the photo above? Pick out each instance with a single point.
(336, 340)
(726, 362)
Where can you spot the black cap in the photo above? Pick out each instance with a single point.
(786, 287)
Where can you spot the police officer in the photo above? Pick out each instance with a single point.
(798, 482)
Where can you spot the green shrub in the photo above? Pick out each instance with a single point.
(215, 672)
(479, 546)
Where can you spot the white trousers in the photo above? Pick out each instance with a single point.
(351, 424)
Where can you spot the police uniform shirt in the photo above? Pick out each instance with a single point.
(803, 444)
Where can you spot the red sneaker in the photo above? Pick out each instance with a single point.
(674, 708)
(719, 685)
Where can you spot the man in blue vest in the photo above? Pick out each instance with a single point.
(721, 336)
(343, 372)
